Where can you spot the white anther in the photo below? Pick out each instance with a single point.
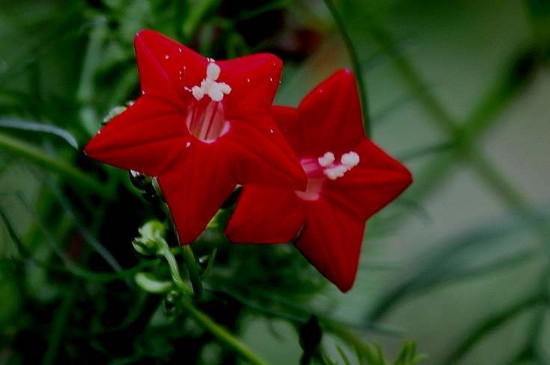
(224, 88)
(198, 92)
(209, 86)
(326, 160)
(335, 172)
(188, 144)
(213, 71)
(350, 159)
(216, 94)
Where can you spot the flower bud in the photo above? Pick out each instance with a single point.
(151, 234)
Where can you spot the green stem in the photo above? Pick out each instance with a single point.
(173, 265)
(355, 64)
(220, 333)
(60, 324)
(193, 270)
(37, 156)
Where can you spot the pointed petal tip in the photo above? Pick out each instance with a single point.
(144, 33)
(405, 178)
(344, 285)
(90, 149)
(344, 73)
(344, 279)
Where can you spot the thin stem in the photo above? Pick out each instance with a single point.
(193, 270)
(220, 333)
(60, 324)
(37, 156)
(355, 64)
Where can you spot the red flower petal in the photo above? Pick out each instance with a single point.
(331, 240)
(289, 124)
(265, 215)
(196, 186)
(254, 80)
(167, 69)
(261, 155)
(331, 116)
(145, 137)
(371, 185)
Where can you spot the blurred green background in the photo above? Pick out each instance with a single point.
(458, 90)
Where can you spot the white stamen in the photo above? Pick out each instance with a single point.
(350, 159)
(224, 88)
(166, 57)
(216, 94)
(209, 86)
(188, 144)
(335, 172)
(248, 79)
(213, 71)
(198, 92)
(271, 130)
(327, 159)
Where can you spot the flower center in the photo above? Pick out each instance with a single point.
(318, 170)
(206, 121)
(205, 117)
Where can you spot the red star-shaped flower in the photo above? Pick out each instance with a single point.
(349, 179)
(200, 126)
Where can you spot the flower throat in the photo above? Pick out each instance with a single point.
(205, 116)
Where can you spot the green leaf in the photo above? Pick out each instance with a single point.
(343, 355)
(486, 327)
(40, 128)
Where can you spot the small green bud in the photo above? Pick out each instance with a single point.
(151, 235)
(171, 302)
